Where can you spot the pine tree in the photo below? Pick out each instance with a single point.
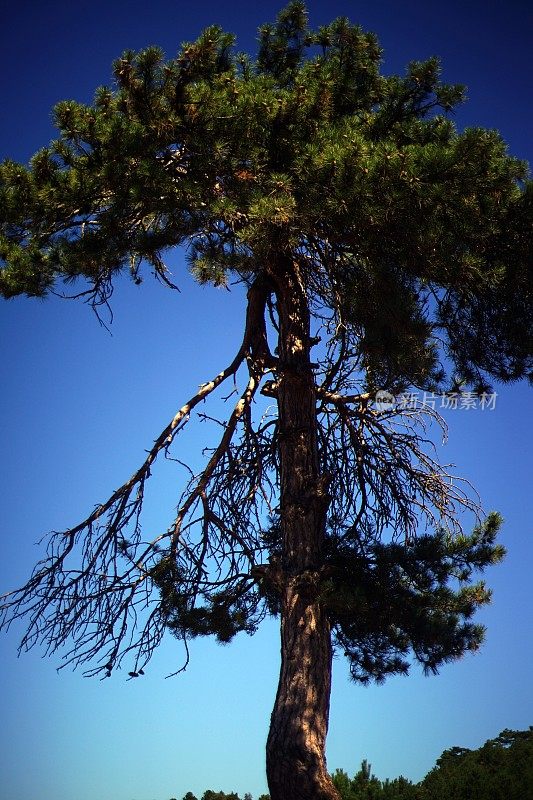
(363, 786)
(501, 768)
(366, 228)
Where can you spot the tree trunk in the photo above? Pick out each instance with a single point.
(296, 765)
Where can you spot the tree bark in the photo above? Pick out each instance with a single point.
(296, 764)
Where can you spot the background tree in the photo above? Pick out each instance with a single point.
(299, 174)
(501, 768)
(399, 789)
(363, 786)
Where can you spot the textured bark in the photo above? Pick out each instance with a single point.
(296, 766)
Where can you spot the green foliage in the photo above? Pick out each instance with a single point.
(224, 613)
(428, 604)
(399, 789)
(502, 769)
(311, 150)
(363, 786)
(209, 794)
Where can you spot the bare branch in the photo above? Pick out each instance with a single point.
(111, 594)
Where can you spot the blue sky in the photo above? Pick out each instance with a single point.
(79, 406)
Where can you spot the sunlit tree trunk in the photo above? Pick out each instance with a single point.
(296, 766)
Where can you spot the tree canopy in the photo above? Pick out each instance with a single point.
(308, 149)
(501, 769)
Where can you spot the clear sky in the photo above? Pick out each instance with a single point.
(79, 406)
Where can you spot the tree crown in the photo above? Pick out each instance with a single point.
(412, 234)
(406, 243)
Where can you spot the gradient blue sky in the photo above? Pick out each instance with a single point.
(78, 407)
